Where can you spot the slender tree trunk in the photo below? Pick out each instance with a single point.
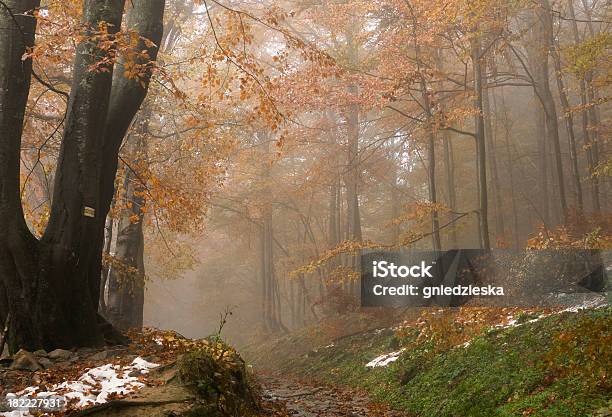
(510, 166)
(449, 170)
(127, 280)
(449, 166)
(544, 93)
(395, 203)
(431, 137)
(543, 159)
(590, 142)
(292, 304)
(480, 144)
(569, 126)
(353, 173)
(108, 241)
(334, 221)
(490, 135)
(267, 254)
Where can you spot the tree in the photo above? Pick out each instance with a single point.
(50, 286)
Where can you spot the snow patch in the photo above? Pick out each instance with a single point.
(93, 387)
(384, 360)
(595, 303)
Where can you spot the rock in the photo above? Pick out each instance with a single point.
(152, 358)
(86, 350)
(40, 352)
(25, 361)
(58, 354)
(135, 373)
(6, 360)
(45, 362)
(100, 356)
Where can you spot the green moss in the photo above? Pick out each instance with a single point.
(218, 376)
(505, 372)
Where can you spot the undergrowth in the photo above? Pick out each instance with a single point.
(556, 366)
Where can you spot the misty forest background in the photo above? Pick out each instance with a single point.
(278, 138)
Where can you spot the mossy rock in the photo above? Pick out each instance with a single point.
(218, 377)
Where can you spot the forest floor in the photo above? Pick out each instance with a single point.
(470, 362)
(286, 396)
(163, 374)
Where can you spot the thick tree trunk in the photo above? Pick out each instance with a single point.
(18, 248)
(60, 275)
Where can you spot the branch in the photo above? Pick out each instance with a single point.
(39, 79)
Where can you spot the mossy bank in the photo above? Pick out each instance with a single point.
(557, 365)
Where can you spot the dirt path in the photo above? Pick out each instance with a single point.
(287, 397)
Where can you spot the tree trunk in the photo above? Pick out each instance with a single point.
(510, 165)
(480, 144)
(353, 173)
(333, 232)
(126, 281)
(431, 137)
(19, 249)
(569, 127)
(449, 166)
(395, 203)
(490, 135)
(60, 274)
(590, 142)
(545, 95)
(108, 241)
(449, 170)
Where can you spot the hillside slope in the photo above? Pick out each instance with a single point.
(452, 363)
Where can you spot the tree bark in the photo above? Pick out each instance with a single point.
(18, 248)
(60, 274)
(126, 282)
(569, 127)
(588, 116)
(545, 95)
(490, 135)
(510, 165)
(483, 211)
(353, 173)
